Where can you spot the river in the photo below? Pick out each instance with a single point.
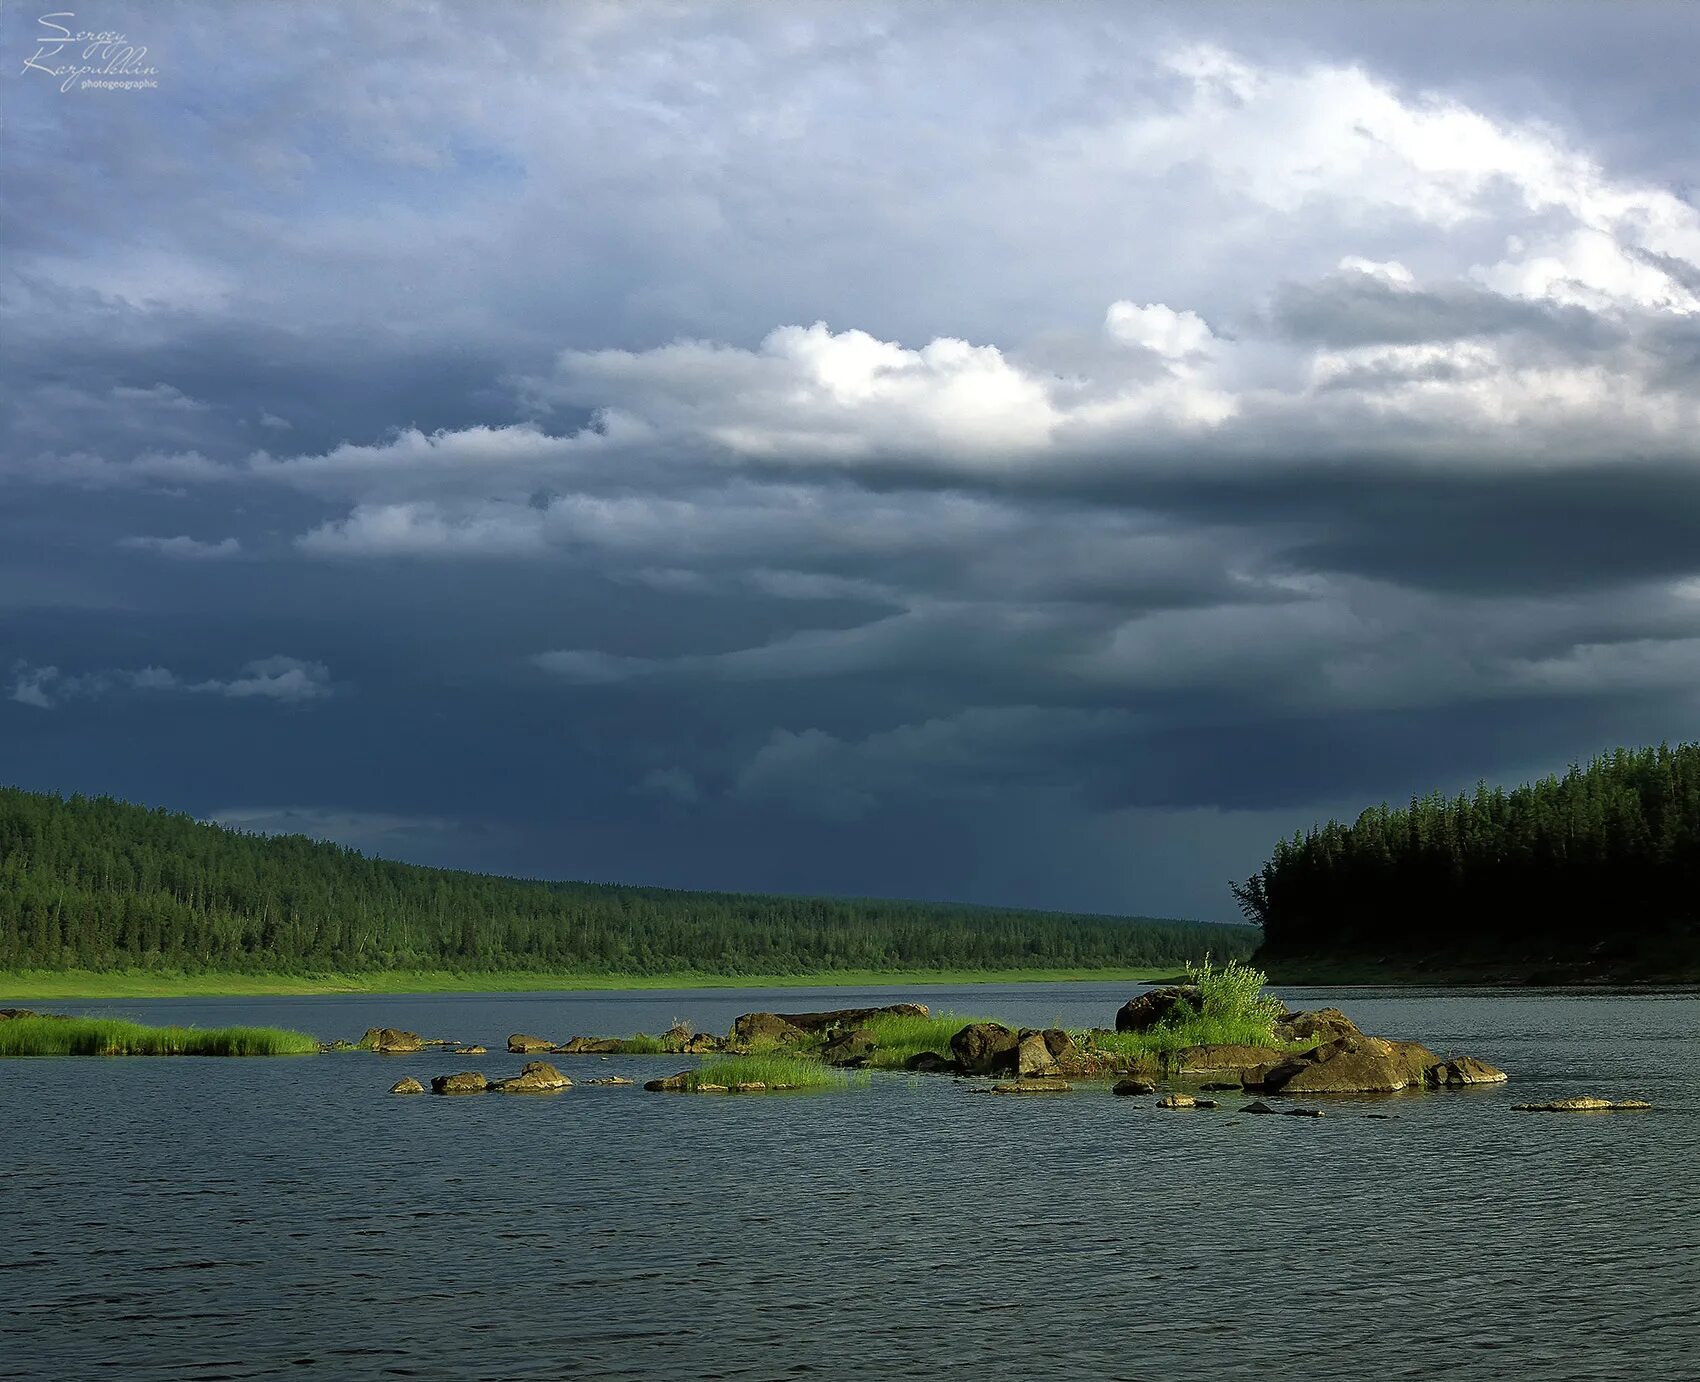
(204, 1218)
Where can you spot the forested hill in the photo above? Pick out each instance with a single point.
(92, 883)
(1593, 875)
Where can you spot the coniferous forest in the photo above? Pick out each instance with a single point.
(93, 883)
(1598, 867)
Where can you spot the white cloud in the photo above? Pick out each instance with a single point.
(184, 548)
(283, 679)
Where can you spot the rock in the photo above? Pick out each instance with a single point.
(407, 1086)
(1248, 1064)
(470, 1051)
(522, 1045)
(851, 1048)
(535, 1077)
(610, 1079)
(711, 1089)
(1222, 1087)
(391, 1040)
(1033, 1086)
(1352, 1065)
(677, 1035)
(1585, 1103)
(1465, 1070)
(1033, 1056)
(932, 1063)
(671, 1084)
(466, 1082)
(1148, 1010)
(1134, 1087)
(1319, 1025)
(1257, 1106)
(749, 1087)
(760, 1028)
(985, 1048)
(851, 1017)
(702, 1044)
(1177, 1101)
(586, 1046)
(1305, 1112)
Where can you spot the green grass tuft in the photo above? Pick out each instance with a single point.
(102, 1036)
(801, 1071)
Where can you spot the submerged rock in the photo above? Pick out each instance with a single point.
(1585, 1103)
(1037, 1085)
(520, 1044)
(1143, 1013)
(1258, 1106)
(985, 1048)
(391, 1040)
(671, 1084)
(610, 1079)
(1134, 1087)
(465, 1082)
(932, 1063)
(407, 1086)
(1184, 1101)
(749, 1087)
(535, 1077)
(471, 1051)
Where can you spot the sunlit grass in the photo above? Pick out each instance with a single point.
(103, 1036)
(799, 1071)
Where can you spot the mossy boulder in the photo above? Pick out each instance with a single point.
(985, 1048)
(407, 1086)
(535, 1077)
(391, 1041)
(587, 1046)
(1352, 1065)
(1317, 1025)
(523, 1044)
(755, 1029)
(1247, 1064)
(1463, 1070)
(1151, 1009)
(852, 1048)
(464, 1082)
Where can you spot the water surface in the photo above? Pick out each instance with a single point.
(201, 1218)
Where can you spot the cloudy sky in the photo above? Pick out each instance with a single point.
(1021, 453)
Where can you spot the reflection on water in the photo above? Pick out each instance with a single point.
(236, 1219)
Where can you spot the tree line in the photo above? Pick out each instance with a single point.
(95, 883)
(1603, 859)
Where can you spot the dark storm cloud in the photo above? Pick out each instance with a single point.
(549, 439)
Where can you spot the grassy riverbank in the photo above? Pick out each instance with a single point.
(92, 1036)
(47, 984)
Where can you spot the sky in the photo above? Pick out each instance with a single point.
(1018, 453)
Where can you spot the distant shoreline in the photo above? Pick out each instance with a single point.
(46, 984)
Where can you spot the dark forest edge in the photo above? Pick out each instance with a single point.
(1592, 877)
(106, 888)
